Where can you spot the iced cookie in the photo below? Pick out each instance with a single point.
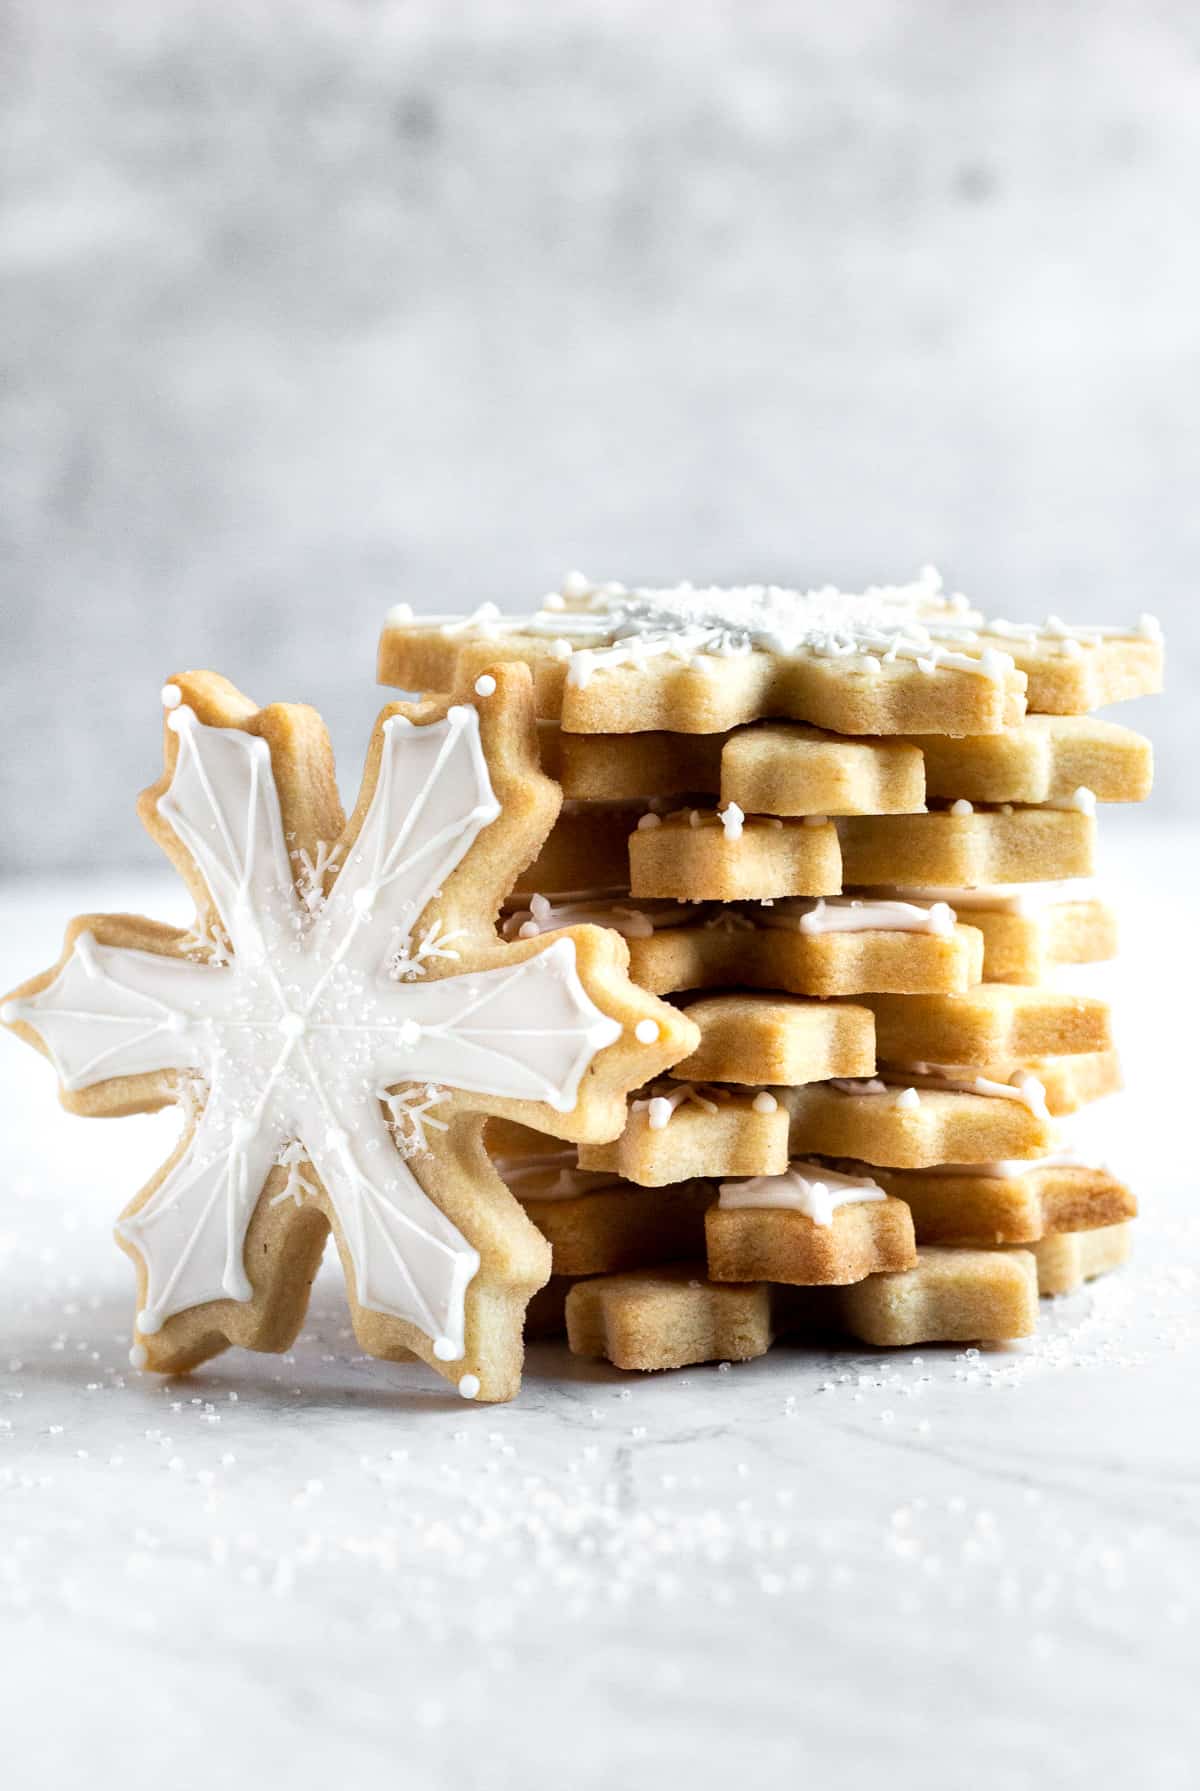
(335, 1026)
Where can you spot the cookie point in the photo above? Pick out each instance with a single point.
(468, 1386)
(646, 1032)
(485, 686)
(172, 696)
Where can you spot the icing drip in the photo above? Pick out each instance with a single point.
(807, 1188)
(302, 1036)
(1082, 800)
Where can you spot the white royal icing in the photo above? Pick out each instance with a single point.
(1025, 899)
(901, 1096)
(552, 1175)
(544, 916)
(808, 1188)
(732, 820)
(1023, 1086)
(851, 914)
(596, 627)
(661, 1101)
(302, 1034)
(1082, 800)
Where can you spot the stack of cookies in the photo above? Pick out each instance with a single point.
(852, 837)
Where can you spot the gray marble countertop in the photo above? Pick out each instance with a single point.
(934, 1568)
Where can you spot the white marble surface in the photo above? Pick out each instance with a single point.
(931, 1568)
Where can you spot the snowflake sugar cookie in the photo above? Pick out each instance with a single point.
(337, 1024)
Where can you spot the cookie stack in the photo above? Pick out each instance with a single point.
(852, 837)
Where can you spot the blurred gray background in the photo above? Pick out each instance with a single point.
(313, 305)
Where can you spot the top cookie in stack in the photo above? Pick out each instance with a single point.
(608, 660)
(864, 821)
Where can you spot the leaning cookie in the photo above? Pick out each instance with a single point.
(337, 1024)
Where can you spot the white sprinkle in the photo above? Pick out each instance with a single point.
(961, 807)
(485, 686)
(468, 1386)
(172, 696)
(646, 1032)
(648, 823)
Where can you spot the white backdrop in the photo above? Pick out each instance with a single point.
(313, 305)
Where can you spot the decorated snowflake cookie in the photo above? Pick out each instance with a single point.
(336, 1026)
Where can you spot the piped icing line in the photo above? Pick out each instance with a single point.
(304, 1039)
(903, 1095)
(596, 627)
(1010, 898)
(808, 1188)
(544, 916)
(661, 1101)
(732, 819)
(1147, 628)
(1023, 1086)
(530, 1180)
(854, 914)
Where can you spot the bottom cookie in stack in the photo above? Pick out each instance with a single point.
(709, 1270)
